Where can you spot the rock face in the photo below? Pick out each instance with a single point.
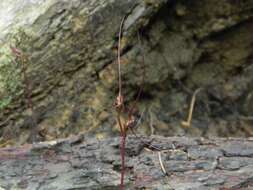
(72, 46)
(87, 163)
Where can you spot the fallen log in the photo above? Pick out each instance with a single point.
(83, 162)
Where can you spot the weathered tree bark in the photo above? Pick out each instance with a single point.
(88, 163)
(187, 45)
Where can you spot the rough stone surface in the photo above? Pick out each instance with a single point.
(72, 49)
(88, 163)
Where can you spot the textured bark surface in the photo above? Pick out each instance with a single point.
(87, 163)
(72, 48)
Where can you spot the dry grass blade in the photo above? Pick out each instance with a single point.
(161, 163)
(187, 123)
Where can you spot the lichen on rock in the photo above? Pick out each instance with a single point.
(187, 45)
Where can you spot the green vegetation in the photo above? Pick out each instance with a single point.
(12, 68)
(10, 79)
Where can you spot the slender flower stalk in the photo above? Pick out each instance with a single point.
(131, 122)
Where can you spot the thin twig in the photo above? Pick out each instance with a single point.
(161, 163)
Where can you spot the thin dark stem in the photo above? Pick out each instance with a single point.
(120, 107)
(122, 152)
